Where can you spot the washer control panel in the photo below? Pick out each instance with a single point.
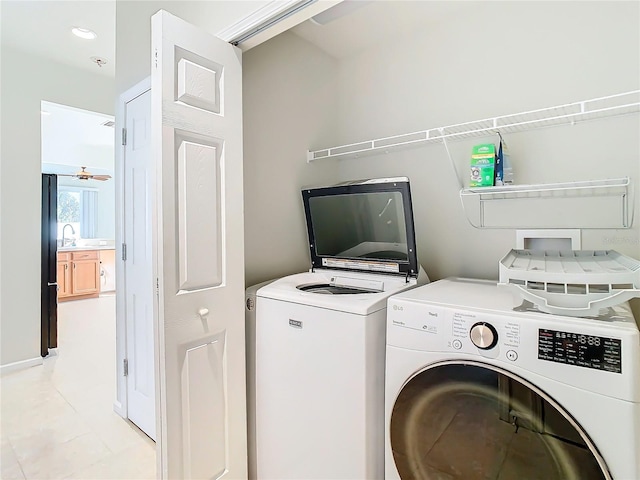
(600, 353)
(460, 320)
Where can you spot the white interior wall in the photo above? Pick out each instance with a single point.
(75, 138)
(26, 81)
(496, 58)
(290, 95)
(434, 78)
(429, 79)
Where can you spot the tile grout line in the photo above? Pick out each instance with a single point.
(15, 455)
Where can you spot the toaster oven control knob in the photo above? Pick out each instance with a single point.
(483, 335)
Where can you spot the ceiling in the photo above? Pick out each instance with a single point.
(74, 138)
(375, 23)
(44, 28)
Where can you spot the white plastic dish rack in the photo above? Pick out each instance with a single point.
(575, 283)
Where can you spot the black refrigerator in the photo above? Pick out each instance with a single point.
(49, 285)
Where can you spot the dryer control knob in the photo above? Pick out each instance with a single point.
(483, 335)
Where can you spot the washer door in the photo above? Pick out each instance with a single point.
(474, 421)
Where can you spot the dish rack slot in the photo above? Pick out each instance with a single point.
(573, 283)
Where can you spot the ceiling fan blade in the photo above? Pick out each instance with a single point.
(101, 177)
(66, 175)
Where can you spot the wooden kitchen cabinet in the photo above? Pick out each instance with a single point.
(78, 274)
(107, 270)
(64, 275)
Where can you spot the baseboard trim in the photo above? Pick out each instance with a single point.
(119, 409)
(16, 366)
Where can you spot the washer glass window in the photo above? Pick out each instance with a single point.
(471, 421)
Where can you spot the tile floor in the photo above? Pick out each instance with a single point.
(57, 419)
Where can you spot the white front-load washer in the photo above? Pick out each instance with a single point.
(320, 336)
(476, 390)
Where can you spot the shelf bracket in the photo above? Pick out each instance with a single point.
(453, 164)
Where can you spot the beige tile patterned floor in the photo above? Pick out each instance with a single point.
(57, 419)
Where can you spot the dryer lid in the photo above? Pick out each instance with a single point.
(365, 225)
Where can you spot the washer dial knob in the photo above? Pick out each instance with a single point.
(483, 335)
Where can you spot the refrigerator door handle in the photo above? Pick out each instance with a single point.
(52, 284)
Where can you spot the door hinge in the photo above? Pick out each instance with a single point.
(157, 286)
(126, 367)
(124, 136)
(124, 252)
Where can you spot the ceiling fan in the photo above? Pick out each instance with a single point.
(84, 175)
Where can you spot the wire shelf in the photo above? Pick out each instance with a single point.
(613, 186)
(609, 106)
(586, 204)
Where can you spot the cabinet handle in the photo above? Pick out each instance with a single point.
(66, 266)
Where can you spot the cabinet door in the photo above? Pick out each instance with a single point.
(64, 279)
(108, 270)
(86, 277)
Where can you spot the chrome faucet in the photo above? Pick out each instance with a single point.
(73, 232)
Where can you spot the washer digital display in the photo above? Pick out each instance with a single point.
(600, 353)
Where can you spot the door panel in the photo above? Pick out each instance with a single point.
(199, 241)
(64, 279)
(197, 139)
(203, 380)
(85, 277)
(139, 298)
(49, 266)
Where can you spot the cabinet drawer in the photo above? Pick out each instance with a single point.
(64, 256)
(85, 255)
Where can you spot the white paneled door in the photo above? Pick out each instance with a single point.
(197, 152)
(139, 292)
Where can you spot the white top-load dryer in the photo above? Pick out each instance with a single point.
(320, 336)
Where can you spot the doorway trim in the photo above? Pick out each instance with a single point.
(120, 402)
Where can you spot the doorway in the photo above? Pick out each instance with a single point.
(79, 262)
(136, 392)
(78, 210)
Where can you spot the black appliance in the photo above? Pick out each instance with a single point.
(49, 285)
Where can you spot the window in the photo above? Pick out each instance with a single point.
(77, 207)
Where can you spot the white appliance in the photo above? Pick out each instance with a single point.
(250, 350)
(475, 389)
(320, 336)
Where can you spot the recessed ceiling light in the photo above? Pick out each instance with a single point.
(84, 33)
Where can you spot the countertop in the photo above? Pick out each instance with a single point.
(86, 247)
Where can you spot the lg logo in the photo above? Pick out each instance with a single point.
(398, 308)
